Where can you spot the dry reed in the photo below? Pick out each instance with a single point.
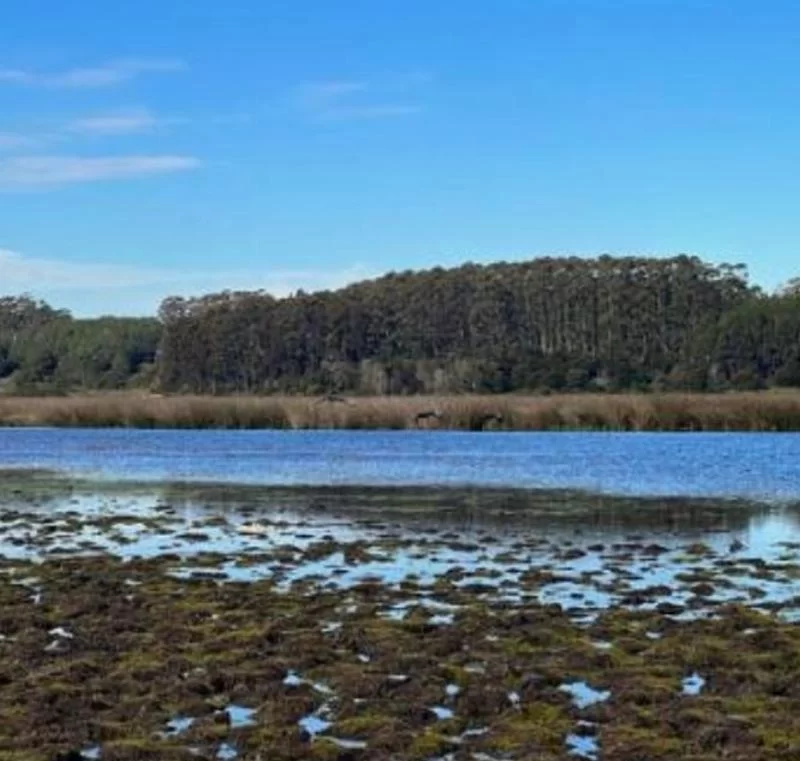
(746, 411)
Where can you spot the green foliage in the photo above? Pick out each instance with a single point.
(606, 324)
(45, 350)
(549, 324)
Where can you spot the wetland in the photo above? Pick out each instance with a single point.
(378, 596)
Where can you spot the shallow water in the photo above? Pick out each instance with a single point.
(421, 556)
(693, 685)
(405, 564)
(757, 465)
(583, 746)
(581, 568)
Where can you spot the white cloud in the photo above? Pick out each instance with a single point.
(30, 172)
(119, 123)
(105, 75)
(93, 287)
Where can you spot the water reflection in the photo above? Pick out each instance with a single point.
(581, 552)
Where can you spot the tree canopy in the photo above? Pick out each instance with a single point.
(546, 324)
(42, 349)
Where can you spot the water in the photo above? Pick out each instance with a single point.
(227, 752)
(583, 746)
(240, 716)
(179, 725)
(596, 558)
(754, 465)
(588, 567)
(693, 685)
(431, 559)
(583, 695)
(314, 725)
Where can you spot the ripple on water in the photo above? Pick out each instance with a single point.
(694, 463)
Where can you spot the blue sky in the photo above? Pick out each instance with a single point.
(181, 147)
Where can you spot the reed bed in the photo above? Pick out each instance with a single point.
(746, 411)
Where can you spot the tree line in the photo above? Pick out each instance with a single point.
(547, 324)
(47, 350)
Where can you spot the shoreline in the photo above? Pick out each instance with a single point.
(411, 499)
(673, 411)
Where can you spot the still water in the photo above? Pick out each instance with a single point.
(760, 466)
(425, 555)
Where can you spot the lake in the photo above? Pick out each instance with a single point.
(754, 465)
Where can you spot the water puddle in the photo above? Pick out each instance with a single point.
(178, 725)
(239, 716)
(314, 725)
(293, 679)
(693, 684)
(583, 695)
(583, 746)
(227, 752)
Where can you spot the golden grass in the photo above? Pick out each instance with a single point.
(745, 411)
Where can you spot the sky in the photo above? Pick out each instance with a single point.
(163, 148)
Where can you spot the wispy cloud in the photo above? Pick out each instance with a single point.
(71, 282)
(117, 123)
(98, 125)
(31, 172)
(349, 99)
(22, 273)
(370, 112)
(322, 94)
(104, 75)
(13, 141)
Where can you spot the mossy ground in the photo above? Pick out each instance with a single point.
(114, 623)
(100, 662)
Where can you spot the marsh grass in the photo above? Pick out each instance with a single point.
(746, 411)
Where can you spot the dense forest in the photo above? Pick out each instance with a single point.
(43, 349)
(547, 324)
